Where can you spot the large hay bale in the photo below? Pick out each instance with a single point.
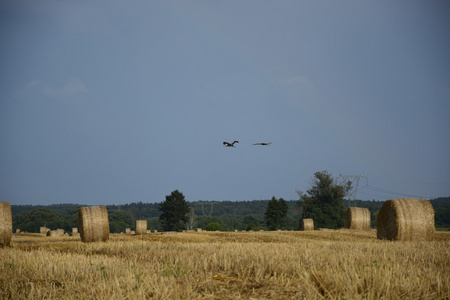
(141, 226)
(5, 224)
(43, 230)
(60, 231)
(53, 233)
(93, 223)
(357, 218)
(307, 224)
(406, 219)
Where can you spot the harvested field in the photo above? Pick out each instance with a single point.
(332, 264)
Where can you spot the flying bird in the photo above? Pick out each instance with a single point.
(263, 144)
(226, 144)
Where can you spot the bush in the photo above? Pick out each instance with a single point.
(213, 226)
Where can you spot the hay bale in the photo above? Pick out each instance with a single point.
(75, 230)
(93, 223)
(60, 231)
(141, 226)
(406, 219)
(127, 230)
(307, 224)
(357, 218)
(5, 224)
(53, 233)
(43, 230)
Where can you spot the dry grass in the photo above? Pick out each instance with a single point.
(307, 224)
(332, 264)
(406, 220)
(141, 226)
(93, 223)
(357, 218)
(5, 224)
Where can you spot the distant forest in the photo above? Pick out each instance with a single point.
(241, 215)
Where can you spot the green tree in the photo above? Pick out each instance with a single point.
(276, 213)
(191, 219)
(249, 223)
(203, 221)
(213, 226)
(119, 220)
(324, 201)
(32, 220)
(154, 223)
(175, 211)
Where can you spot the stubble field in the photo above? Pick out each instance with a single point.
(335, 264)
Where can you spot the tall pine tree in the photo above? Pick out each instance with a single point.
(175, 211)
(276, 213)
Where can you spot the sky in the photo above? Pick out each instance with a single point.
(113, 102)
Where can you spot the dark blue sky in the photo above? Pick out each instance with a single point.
(109, 102)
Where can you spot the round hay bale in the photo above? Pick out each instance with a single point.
(53, 233)
(357, 218)
(93, 223)
(307, 224)
(127, 230)
(60, 231)
(43, 230)
(406, 219)
(75, 230)
(5, 224)
(141, 226)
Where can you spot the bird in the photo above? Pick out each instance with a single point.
(263, 144)
(226, 144)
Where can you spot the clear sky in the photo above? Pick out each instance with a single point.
(112, 102)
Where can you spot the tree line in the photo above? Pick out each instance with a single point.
(324, 202)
